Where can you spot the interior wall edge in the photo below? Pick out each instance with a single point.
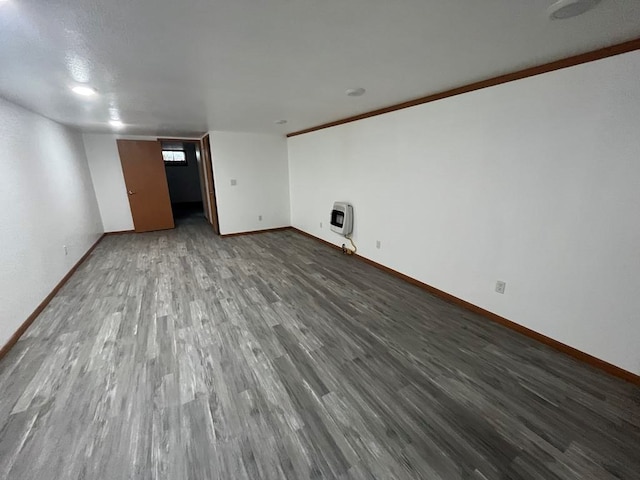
(119, 232)
(4, 350)
(252, 232)
(584, 357)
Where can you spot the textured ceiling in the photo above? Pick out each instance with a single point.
(184, 67)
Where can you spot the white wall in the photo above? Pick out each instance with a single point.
(108, 181)
(535, 182)
(258, 163)
(47, 201)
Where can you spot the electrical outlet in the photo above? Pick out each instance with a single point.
(66, 250)
(377, 243)
(260, 217)
(320, 224)
(500, 286)
(234, 182)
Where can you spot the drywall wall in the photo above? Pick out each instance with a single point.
(258, 165)
(535, 183)
(108, 181)
(184, 181)
(47, 202)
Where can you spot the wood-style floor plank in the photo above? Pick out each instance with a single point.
(178, 354)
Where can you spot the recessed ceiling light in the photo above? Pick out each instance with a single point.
(570, 8)
(84, 90)
(116, 123)
(280, 122)
(355, 92)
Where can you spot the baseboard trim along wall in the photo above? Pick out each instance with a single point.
(119, 232)
(561, 347)
(509, 77)
(251, 232)
(27, 323)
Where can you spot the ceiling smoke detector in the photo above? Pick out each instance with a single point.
(355, 92)
(563, 9)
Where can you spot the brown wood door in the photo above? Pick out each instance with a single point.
(146, 182)
(211, 189)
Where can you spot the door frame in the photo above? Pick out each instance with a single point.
(198, 144)
(207, 165)
(207, 183)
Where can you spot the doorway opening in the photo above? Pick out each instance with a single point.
(183, 178)
(169, 181)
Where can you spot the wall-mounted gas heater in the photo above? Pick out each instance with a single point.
(342, 218)
(342, 223)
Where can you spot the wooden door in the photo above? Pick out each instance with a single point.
(211, 189)
(146, 182)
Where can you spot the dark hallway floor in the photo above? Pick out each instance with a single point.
(181, 355)
(187, 211)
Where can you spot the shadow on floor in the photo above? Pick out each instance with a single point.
(186, 212)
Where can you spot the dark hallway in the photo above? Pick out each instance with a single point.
(183, 178)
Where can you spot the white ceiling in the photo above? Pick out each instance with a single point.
(185, 67)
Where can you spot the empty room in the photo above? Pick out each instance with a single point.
(302, 239)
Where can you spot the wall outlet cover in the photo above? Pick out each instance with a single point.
(500, 286)
(234, 182)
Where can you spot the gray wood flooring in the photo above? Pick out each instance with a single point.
(179, 355)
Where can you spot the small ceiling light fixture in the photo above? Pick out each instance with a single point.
(355, 92)
(84, 90)
(563, 9)
(116, 123)
(280, 122)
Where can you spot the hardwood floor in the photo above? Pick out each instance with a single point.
(180, 355)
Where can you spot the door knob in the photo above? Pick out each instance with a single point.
(131, 192)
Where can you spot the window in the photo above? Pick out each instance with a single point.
(174, 157)
(173, 153)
